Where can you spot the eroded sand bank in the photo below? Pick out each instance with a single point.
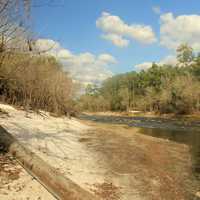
(113, 162)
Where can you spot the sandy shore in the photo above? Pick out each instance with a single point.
(189, 117)
(111, 161)
(17, 184)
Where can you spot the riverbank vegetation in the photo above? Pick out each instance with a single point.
(29, 77)
(161, 88)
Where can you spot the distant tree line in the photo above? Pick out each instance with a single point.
(28, 77)
(161, 88)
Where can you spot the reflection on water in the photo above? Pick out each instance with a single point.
(173, 129)
(191, 138)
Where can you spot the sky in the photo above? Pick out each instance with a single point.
(95, 39)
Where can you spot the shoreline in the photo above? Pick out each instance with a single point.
(116, 161)
(195, 116)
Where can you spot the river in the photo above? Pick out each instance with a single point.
(176, 129)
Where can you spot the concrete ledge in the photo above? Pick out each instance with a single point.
(61, 187)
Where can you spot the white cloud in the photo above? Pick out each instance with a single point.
(143, 66)
(156, 10)
(47, 44)
(84, 67)
(118, 32)
(64, 53)
(168, 60)
(107, 58)
(181, 29)
(117, 40)
(89, 68)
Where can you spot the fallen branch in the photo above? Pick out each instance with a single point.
(59, 186)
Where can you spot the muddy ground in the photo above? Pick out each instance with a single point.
(155, 168)
(135, 167)
(115, 162)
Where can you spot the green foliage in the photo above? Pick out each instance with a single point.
(162, 88)
(92, 90)
(185, 54)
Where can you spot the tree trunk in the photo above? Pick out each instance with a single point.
(61, 187)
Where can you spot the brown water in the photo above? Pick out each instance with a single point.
(175, 129)
(191, 138)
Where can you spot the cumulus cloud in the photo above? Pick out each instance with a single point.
(120, 33)
(88, 68)
(47, 45)
(168, 60)
(64, 54)
(143, 66)
(107, 58)
(181, 29)
(117, 40)
(84, 67)
(156, 10)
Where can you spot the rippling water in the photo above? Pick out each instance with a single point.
(191, 138)
(172, 129)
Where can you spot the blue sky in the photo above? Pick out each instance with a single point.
(72, 23)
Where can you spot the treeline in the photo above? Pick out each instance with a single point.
(35, 82)
(28, 77)
(161, 88)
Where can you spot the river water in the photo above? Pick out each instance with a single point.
(175, 129)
